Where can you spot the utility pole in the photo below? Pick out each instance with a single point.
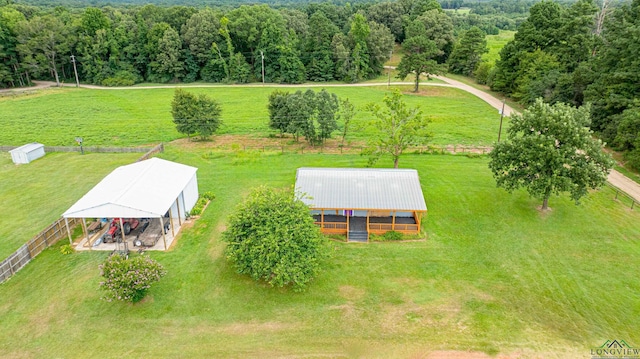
(73, 59)
(501, 117)
(262, 54)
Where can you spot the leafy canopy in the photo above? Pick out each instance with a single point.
(420, 55)
(272, 237)
(397, 127)
(549, 149)
(311, 114)
(195, 114)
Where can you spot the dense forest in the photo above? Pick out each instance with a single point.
(308, 42)
(578, 52)
(584, 53)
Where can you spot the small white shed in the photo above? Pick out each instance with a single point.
(27, 153)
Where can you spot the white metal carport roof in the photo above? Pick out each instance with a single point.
(361, 188)
(144, 189)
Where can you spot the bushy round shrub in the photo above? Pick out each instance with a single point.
(129, 279)
(272, 237)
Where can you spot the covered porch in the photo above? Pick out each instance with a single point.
(361, 201)
(372, 221)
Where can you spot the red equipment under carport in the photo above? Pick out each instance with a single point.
(114, 232)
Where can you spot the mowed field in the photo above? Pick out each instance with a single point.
(493, 276)
(495, 43)
(35, 195)
(143, 116)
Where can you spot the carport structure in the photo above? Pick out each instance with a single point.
(147, 189)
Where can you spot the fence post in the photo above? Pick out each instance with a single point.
(616, 194)
(632, 203)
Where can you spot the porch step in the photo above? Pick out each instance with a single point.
(358, 236)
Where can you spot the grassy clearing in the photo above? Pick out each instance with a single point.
(494, 276)
(495, 43)
(35, 195)
(142, 116)
(461, 11)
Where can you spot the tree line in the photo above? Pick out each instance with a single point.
(578, 54)
(119, 46)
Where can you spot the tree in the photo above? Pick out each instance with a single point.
(129, 279)
(347, 112)
(380, 44)
(324, 122)
(420, 55)
(549, 149)
(466, 55)
(200, 32)
(397, 127)
(272, 237)
(318, 62)
(168, 64)
(438, 27)
(313, 115)
(278, 119)
(358, 35)
(195, 114)
(388, 14)
(43, 39)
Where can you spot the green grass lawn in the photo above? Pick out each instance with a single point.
(495, 276)
(142, 116)
(495, 43)
(34, 195)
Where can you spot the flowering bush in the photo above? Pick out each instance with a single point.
(128, 279)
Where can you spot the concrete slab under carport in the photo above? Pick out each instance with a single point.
(153, 229)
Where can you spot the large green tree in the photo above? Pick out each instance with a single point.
(10, 74)
(396, 126)
(271, 237)
(200, 32)
(310, 114)
(420, 55)
(195, 114)
(43, 41)
(467, 53)
(549, 150)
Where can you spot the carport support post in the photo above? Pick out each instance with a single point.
(179, 215)
(86, 233)
(164, 238)
(173, 233)
(66, 222)
(124, 239)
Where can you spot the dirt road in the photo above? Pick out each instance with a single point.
(615, 178)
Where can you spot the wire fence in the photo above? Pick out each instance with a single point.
(332, 148)
(621, 196)
(45, 239)
(94, 149)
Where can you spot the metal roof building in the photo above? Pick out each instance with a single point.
(348, 200)
(146, 189)
(27, 153)
(361, 188)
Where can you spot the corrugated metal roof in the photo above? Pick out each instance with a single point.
(140, 190)
(361, 188)
(28, 147)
